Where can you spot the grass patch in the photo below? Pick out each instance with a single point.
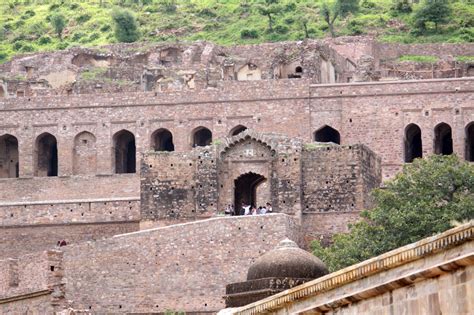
(93, 73)
(25, 25)
(465, 58)
(415, 58)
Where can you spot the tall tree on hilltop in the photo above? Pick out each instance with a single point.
(330, 11)
(432, 11)
(126, 28)
(269, 8)
(58, 21)
(425, 199)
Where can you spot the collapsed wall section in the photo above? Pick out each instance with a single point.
(183, 267)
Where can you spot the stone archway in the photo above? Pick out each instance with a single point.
(245, 190)
(247, 166)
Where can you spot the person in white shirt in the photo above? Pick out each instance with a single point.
(246, 209)
(269, 208)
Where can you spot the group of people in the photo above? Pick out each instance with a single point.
(248, 209)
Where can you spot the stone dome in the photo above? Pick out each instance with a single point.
(287, 260)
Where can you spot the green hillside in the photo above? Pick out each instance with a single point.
(28, 27)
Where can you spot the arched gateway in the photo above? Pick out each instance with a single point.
(245, 190)
(247, 166)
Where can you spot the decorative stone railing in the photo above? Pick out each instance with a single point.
(392, 259)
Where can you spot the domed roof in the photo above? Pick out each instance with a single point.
(287, 260)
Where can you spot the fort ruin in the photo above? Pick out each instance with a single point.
(131, 145)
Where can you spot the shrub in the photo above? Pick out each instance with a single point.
(248, 33)
(126, 28)
(281, 29)
(44, 40)
(83, 18)
(402, 6)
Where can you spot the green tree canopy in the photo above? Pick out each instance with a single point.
(330, 11)
(432, 11)
(58, 21)
(269, 8)
(425, 199)
(126, 28)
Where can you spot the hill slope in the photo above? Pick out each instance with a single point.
(27, 27)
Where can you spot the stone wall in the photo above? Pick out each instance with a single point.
(394, 50)
(289, 107)
(76, 189)
(32, 283)
(275, 169)
(183, 267)
(17, 240)
(338, 178)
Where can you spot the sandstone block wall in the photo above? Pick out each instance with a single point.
(19, 240)
(184, 267)
(32, 283)
(339, 178)
(451, 293)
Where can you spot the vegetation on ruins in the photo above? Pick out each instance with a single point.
(27, 26)
(428, 197)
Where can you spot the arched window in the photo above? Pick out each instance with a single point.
(162, 140)
(2, 92)
(413, 144)
(470, 142)
(443, 143)
(327, 134)
(124, 152)
(8, 156)
(237, 129)
(298, 70)
(84, 154)
(202, 137)
(46, 155)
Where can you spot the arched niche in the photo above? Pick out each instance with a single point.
(9, 156)
(236, 130)
(469, 154)
(413, 143)
(162, 140)
(249, 72)
(46, 155)
(124, 152)
(443, 141)
(84, 154)
(201, 137)
(327, 134)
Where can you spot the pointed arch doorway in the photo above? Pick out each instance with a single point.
(246, 189)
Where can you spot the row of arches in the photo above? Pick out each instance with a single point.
(45, 155)
(442, 144)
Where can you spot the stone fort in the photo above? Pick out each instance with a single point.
(131, 152)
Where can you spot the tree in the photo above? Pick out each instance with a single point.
(305, 14)
(434, 11)
(330, 11)
(58, 21)
(425, 199)
(269, 8)
(126, 28)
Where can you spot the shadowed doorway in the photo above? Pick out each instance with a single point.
(245, 191)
